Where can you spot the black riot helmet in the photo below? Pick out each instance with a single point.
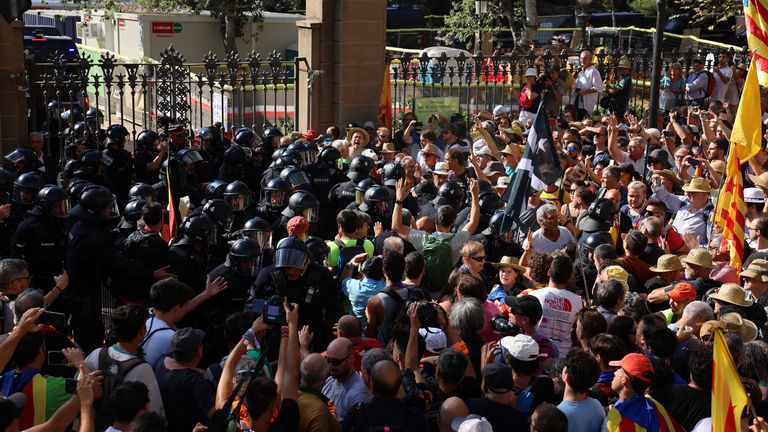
(93, 159)
(132, 210)
(318, 249)
(245, 137)
(146, 140)
(94, 117)
(210, 134)
(93, 201)
(235, 155)
(330, 155)
(288, 158)
(189, 157)
(25, 156)
(451, 193)
(360, 168)
(116, 134)
(80, 130)
(378, 201)
(269, 135)
(291, 252)
(393, 171)
(74, 190)
(143, 191)
(260, 230)
(276, 193)
(494, 228)
(303, 203)
(277, 153)
(310, 154)
(215, 189)
(296, 177)
(198, 229)
(362, 187)
(220, 213)
(299, 147)
(243, 257)
(26, 187)
(600, 216)
(73, 115)
(52, 201)
(238, 195)
(489, 202)
(592, 241)
(6, 180)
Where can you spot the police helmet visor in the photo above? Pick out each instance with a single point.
(238, 202)
(106, 159)
(24, 195)
(359, 196)
(263, 238)
(59, 208)
(247, 266)
(290, 258)
(297, 178)
(191, 157)
(380, 208)
(276, 198)
(15, 157)
(311, 214)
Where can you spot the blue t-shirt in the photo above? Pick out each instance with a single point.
(583, 416)
(359, 291)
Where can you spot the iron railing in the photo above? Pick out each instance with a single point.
(482, 82)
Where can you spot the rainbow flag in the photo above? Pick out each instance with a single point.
(728, 395)
(756, 22)
(384, 117)
(746, 140)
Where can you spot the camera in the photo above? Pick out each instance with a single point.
(418, 124)
(505, 327)
(693, 162)
(273, 312)
(54, 319)
(427, 313)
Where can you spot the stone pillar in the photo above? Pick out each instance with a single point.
(13, 103)
(345, 40)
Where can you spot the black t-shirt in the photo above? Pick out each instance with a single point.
(689, 405)
(702, 285)
(651, 254)
(187, 396)
(288, 419)
(501, 417)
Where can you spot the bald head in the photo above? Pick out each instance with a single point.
(339, 348)
(314, 371)
(425, 223)
(452, 408)
(385, 379)
(339, 356)
(614, 195)
(349, 327)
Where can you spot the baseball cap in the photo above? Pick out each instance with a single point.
(530, 72)
(499, 110)
(11, 408)
(297, 226)
(682, 292)
(310, 135)
(653, 132)
(521, 347)
(471, 423)
(435, 339)
(498, 378)
(754, 195)
(637, 365)
(369, 125)
(616, 272)
(660, 156)
(526, 305)
(186, 341)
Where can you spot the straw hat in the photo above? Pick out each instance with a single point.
(430, 149)
(732, 294)
(508, 150)
(510, 261)
(757, 269)
(745, 328)
(669, 175)
(717, 166)
(625, 63)
(503, 182)
(697, 184)
(761, 180)
(667, 263)
(700, 257)
(388, 148)
(441, 168)
(363, 132)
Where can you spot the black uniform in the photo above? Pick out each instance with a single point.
(140, 162)
(120, 174)
(41, 242)
(188, 264)
(213, 158)
(233, 298)
(90, 258)
(148, 248)
(341, 195)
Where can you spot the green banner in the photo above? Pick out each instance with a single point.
(443, 105)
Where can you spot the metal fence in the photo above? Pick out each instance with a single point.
(482, 82)
(254, 91)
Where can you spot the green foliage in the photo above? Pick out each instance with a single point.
(645, 7)
(462, 24)
(702, 10)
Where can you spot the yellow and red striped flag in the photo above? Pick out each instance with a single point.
(385, 101)
(728, 396)
(745, 143)
(756, 22)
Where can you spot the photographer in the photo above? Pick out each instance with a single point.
(526, 312)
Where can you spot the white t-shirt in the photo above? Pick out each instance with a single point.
(720, 88)
(589, 79)
(542, 244)
(559, 309)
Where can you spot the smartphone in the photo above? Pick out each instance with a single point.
(56, 358)
(53, 319)
(70, 385)
(669, 133)
(693, 162)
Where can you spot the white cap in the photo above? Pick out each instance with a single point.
(434, 338)
(521, 347)
(530, 72)
(484, 150)
(441, 168)
(478, 144)
(371, 154)
(754, 195)
(500, 109)
(471, 423)
(653, 132)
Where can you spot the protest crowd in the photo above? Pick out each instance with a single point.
(553, 267)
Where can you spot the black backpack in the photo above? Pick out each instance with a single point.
(113, 373)
(346, 253)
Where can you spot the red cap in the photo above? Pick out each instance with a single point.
(297, 226)
(311, 135)
(637, 365)
(682, 292)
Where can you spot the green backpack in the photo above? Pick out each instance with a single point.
(438, 263)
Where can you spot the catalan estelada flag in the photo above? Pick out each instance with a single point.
(385, 101)
(173, 200)
(745, 143)
(728, 395)
(756, 22)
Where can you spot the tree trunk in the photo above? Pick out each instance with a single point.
(506, 10)
(230, 26)
(531, 26)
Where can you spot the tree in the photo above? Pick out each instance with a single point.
(519, 18)
(702, 10)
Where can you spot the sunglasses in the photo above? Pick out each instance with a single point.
(336, 362)
(478, 259)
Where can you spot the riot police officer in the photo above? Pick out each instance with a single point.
(378, 203)
(94, 118)
(119, 162)
(23, 160)
(342, 194)
(212, 152)
(147, 247)
(301, 203)
(450, 193)
(296, 277)
(238, 196)
(240, 271)
(235, 158)
(276, 195)
(90, 259)
(143, 191)
(149, 154)
(188, 256)
(284, 159)
(260, 230)
(129, 220)
(498, 245)
(40, 238)
(222, 216)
